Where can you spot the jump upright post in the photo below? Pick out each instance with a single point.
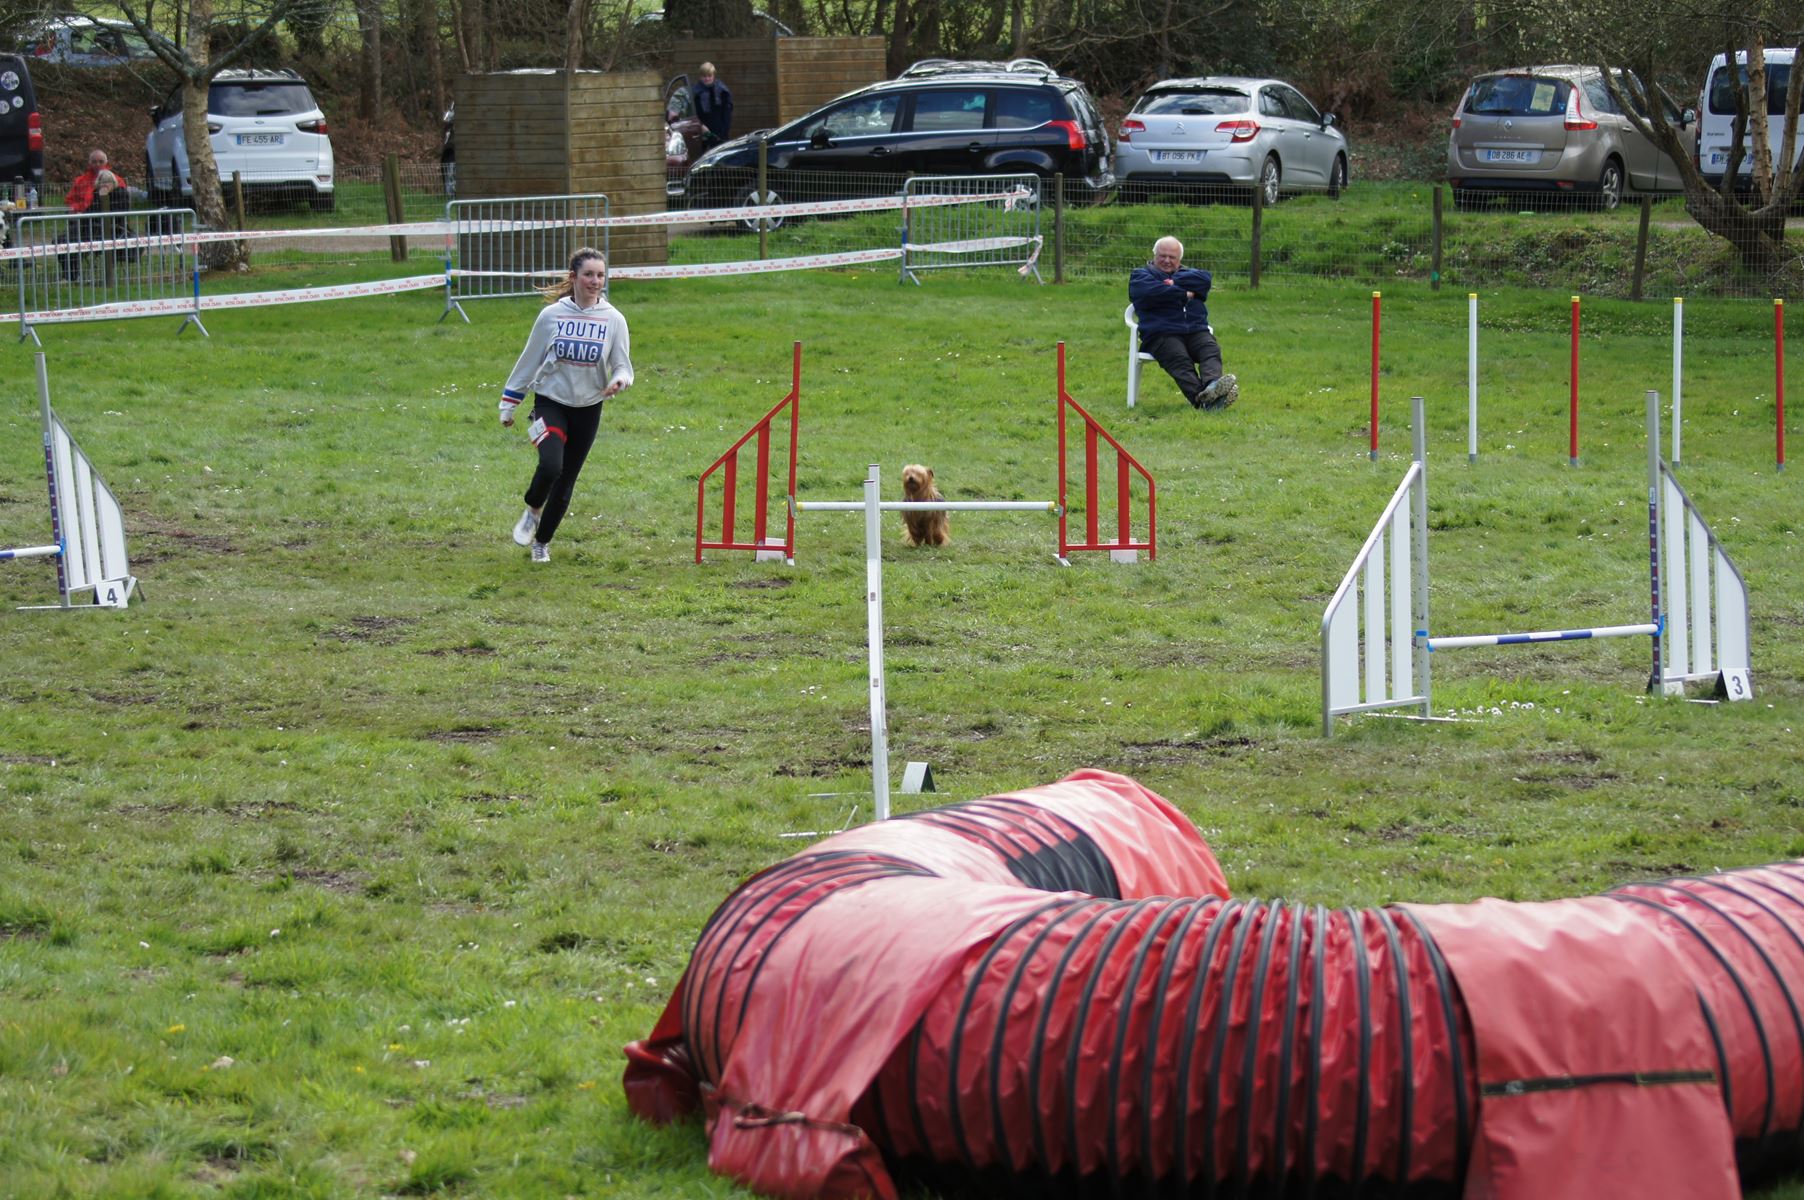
(1376, 633)
(85, 520)
(727, 466)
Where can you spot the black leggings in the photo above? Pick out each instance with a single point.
(569, 432)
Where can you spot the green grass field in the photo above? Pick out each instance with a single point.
(344, 863)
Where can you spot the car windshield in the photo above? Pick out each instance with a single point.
(1722, 88)
(259, 99)
(1518, 96)
(1201, 102)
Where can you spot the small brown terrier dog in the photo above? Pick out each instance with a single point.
(922, 528)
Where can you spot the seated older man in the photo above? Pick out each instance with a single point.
(1170, 303)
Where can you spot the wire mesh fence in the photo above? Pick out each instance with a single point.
(1374, 234)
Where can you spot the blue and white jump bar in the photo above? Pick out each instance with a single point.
(31, 552)
(1546, 635)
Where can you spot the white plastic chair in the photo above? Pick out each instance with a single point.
(1137, 357)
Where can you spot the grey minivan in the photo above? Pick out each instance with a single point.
(1553, 130)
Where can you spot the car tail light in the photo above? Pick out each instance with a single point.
(1074, 133)
(1456, 120)
(34, 132)
(1575, 116)
(1129, 128)
(318, 126)
(1240, 131)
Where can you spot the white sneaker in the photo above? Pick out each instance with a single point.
(541, 552)
(525, 527)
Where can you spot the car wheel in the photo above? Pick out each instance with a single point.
(1467, 201)
(1270, 176)
(1609, 187)
(324, 201)
(1337, 178)
(748, 195)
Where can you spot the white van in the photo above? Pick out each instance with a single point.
(1717, 109)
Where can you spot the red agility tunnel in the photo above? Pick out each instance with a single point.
(1052, 992)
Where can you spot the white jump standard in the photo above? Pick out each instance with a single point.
(1375, 631)
(85, 520)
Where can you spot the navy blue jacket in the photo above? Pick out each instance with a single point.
(714, 105)
(1160, 304)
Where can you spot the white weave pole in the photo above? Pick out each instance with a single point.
(1678, 353)
(1471, 377)
(873, 590)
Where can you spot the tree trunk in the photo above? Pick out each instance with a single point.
(576, 24)
(427, 45)
(369, 82)
(900, 38)
(473, 35)
(203, 168)
(1017, 32)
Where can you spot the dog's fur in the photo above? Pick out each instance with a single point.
(922, 528)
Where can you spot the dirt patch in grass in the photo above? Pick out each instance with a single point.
(345, 883)
(1177, 751)
(760, 583)
(481, 733)
(465, 651)
(822, 768)
(196, 543)
(384, 631)
(28, 760)
(123, 699)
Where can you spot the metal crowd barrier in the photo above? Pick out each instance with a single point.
(1004, 232)
(515, 245)
(97, 266)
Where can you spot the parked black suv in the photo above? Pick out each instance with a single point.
(21, 130)
(939, 117)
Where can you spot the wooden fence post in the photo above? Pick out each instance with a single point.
(1258, 233)
(1647, 212)
(391, 192)
(1434, 277)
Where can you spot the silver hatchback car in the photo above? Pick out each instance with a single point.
(1556, 131)
(1230, 131)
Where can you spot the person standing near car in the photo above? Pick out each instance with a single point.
(576, 357)
(714, 105)
(1171, 305)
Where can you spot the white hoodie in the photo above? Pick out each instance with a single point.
(573, 354)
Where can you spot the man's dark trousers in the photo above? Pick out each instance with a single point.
(1181, 354)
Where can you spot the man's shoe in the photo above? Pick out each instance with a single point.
(541, 552)
(1228, 391)
(525, 527)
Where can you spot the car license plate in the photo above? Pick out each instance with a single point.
(1177, 156)
(1510, 156)
(259, 139)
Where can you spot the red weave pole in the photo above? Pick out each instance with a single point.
(1090, 496)
(1375, 304)
(1121, 499)
(761, 505)
(730, 480)
(1572, 406)
(1779, 378)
